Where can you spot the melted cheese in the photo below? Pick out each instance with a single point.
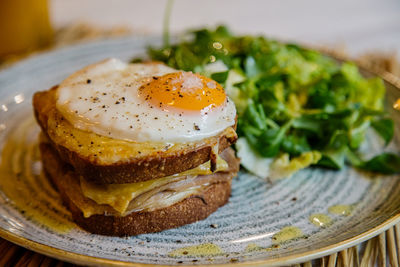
(102, 150)
(118, 196)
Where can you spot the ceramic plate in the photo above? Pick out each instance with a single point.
(312, 214)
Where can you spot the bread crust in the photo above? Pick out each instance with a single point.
(130, 170)
(189, 210)
(139, 170)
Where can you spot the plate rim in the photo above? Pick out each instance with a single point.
(291, 259)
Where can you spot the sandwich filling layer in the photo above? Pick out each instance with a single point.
(159, 194)
(120, 196)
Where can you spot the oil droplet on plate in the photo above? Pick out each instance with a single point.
(343, 210)
(206, 249)
(286, 234)
(252, 247)
(320, 220)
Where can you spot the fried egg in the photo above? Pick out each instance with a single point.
(148, 102)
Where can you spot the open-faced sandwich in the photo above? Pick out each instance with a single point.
(137, 148)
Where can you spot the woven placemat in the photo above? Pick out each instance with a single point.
(382, 250)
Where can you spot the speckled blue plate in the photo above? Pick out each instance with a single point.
(317, 212)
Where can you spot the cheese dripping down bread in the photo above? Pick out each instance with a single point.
(127, 143)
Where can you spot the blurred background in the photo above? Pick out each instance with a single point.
(358, 25)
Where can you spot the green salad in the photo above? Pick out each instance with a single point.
(296, 107)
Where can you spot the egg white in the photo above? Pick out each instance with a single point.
(103, 98)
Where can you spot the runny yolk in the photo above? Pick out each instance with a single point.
(184, 91)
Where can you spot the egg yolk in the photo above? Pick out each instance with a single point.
(184, 91)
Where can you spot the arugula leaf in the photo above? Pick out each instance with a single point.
(333, 159)
(250, 67)
(386, 163)
(220, 77)
(385, 128)
(295, 145)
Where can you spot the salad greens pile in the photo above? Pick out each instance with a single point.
(296, 107)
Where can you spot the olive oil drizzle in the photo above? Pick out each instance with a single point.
(206, 249)
(320, 220)
(23, 183)
(343, 210)
(286, 234)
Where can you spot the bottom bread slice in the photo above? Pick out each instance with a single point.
(189, 210)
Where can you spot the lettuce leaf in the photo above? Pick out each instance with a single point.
(291, 101)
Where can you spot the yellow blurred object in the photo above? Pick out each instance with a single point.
(24, 26)
(396, 105)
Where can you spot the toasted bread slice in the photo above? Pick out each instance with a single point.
(105, 160)
(193, 208)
